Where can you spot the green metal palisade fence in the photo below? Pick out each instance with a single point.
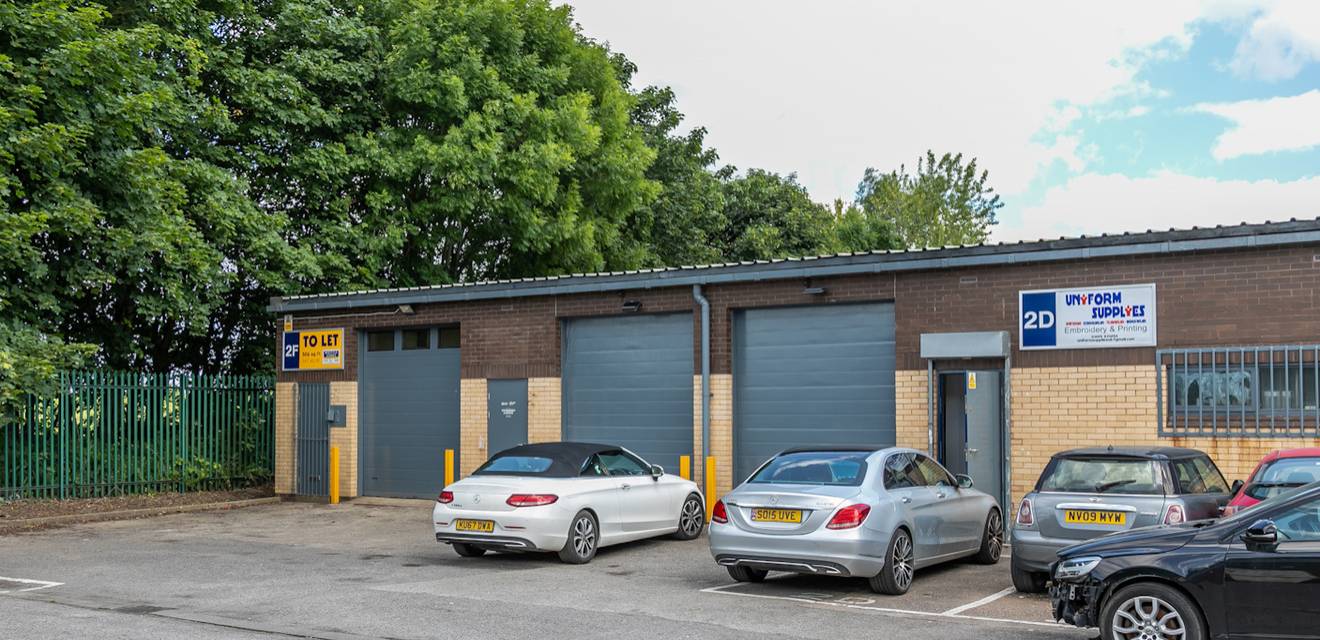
(113, 433)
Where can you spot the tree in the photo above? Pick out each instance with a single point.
(118, 228)
(855, 231)
(680, 226)
(946, 202)
(772, 216)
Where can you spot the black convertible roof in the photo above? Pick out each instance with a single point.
(566, 458)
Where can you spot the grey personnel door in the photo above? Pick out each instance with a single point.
(506, 414)
(313, 457)
(972, 429)
(818, 375)
(410, 411)
(627, 380)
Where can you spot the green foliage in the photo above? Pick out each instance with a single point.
(944, 203)
(29, 363)
(772, 216)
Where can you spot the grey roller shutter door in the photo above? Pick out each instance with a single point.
(811, 376)
(627, 380)
(410, 415)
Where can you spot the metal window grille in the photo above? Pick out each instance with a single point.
(1263, 391)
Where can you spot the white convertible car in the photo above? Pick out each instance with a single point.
(567, 497)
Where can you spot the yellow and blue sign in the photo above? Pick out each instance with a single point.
(313, 350)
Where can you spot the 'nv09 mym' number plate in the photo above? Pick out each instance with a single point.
(777, 515)
(1087, 516)
(480, 526)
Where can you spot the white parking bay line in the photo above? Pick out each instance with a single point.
(982, 602)
(723, 590)
(32, 585)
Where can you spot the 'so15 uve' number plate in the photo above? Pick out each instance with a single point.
(777, 515)
(1087, 516)
(479, 526)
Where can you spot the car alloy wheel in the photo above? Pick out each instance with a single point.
(901, 563)
(584, 536)
(1147, 618)
(994, 531)
(693, 517)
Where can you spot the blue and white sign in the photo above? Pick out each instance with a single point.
(1087, 318)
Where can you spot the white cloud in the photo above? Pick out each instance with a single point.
(1092, 204)
(1289, 123)
(827, 89)
(1282, 38)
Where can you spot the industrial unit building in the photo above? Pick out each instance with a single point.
(992, 357)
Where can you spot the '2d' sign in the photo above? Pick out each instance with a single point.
(312, 350)
(1088, 318)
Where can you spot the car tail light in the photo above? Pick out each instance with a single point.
(1025, 517)
(718, 514)
(1174, 515)
(531, 499)
(849, 517)
(446, 497)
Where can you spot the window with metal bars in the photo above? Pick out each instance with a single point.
(1267, 391)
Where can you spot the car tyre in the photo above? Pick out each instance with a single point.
(691, 518)
(1158, 609)
(992, 539)
(1027, 581)
(747, 574)
(900, 564)
(583, 539)
(467, 550)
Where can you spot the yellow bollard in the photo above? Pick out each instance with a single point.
(449, 467)
(685, 467)
(710, 486)
(334, 475)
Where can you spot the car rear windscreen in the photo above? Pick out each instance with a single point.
(1101, 475)
(843, 468)
(515, 465)
(1283, 474)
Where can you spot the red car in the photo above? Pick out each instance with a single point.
(1276, 473)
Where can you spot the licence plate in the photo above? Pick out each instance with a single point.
(777, 515)
(1087, 516)
(481, 526)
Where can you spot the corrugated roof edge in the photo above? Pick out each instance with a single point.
(1174, 240)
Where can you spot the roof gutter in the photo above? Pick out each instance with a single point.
(786, 269)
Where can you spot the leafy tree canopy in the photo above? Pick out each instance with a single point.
(945, 202)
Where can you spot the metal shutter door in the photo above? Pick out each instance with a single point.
(627, 380)
(410, 415)
(811, 376)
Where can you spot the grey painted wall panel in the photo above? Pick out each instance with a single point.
(506, 414)
(811, 376)
(627, 380)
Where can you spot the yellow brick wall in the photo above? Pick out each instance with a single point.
(346, 437)
(910, 410)
(721, 431)
(286, 416)
(472, 425)
(544, 410)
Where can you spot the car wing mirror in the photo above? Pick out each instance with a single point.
(1237, 486)
(657, 471)
(1261, 533)
(964, 481)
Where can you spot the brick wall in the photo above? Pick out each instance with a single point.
(472, 426)
(544, 407)
(911, 425)
(346, 437)
(286, 416)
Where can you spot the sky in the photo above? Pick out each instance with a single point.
(1098, 117)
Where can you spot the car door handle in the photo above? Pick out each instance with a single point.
(625, 487)
(905, 500)
(939, 495)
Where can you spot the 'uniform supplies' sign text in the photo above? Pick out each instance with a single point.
(311, 350)
(1088, 318)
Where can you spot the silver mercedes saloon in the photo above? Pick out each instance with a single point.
(873, 514)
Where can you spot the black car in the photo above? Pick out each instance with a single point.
(1255, 574)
